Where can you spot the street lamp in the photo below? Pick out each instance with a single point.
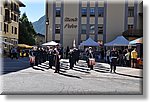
(47, 23)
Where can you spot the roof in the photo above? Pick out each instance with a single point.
(20, 3)
(89, 42)
(118, 41)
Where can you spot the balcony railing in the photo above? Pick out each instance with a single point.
(7, 5)
(133, 33)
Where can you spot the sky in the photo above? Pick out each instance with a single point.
(34, 9)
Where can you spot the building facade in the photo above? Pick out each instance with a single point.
(102, 20)
(9, 22)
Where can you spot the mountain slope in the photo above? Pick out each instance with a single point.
(39, 26)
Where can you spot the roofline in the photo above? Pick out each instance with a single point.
(20, 3)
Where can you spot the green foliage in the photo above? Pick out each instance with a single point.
(26, 31)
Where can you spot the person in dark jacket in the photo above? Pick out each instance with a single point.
(71, 58)
(36, 54)
(113, 60)
(57, 60)
(89, 54)
(50, 57)
(67, 52)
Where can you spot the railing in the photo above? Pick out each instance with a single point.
(133, 33)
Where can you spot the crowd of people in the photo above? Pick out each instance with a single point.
(54, 54)
(126, 58)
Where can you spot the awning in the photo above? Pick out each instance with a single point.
(89, 42)
(139, 41)
(25, 46)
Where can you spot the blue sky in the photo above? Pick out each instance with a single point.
(34, 9)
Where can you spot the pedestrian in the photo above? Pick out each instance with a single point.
(78, 55)
(36, 54)
(67, 52)
(134, 58)
(50, 57)
(108, 56)
(71, 58)
(102, 54)
(113, 60)
(40, 55)
(90, 56)
(127, 58)
(57, 60)
(32, 57)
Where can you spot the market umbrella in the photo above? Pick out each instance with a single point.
(51, 43)
(139, 40)
(25, 46)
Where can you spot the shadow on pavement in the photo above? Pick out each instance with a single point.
(38, 69)
(14, 65)
(129, 75)
(68, 75)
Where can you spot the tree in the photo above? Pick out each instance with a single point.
(26, 31)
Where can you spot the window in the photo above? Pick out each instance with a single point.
(1, 10)
(84, 12)
(15, 30)
(100, 11)
(130, 27)
(83, 29)
(7, 15)
(92, 29)
(12, 30)
(5, 39)
(0, 26)
(5, 27)
(130, 11)
(57, 30)
(92, 12)
(58, 12)
(12, 16)
(100, 29)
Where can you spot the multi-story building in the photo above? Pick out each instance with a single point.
(102, 20)
(9, 22)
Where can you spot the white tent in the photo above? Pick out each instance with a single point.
(51, 43)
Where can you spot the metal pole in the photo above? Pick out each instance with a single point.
(47, 21)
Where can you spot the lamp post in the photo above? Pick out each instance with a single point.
(47, 23)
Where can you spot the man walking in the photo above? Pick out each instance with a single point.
(113, 61)
(134, 58)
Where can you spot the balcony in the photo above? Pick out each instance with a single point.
(133, 33)
(7, 5)
(7, 16)
(7, 19)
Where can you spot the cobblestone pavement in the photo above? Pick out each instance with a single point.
(79, 80)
